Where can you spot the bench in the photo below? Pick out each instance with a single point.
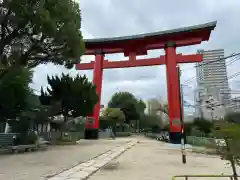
(7, 144)
(6, 139)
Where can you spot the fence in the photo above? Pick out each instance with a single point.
(71, 136)
(192, 140)
(200, 141)
(204, 176)
(54, 136)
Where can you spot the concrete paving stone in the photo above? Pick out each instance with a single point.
(99, 164)
(107, 159)
(80, 174)
(107, 153)
(90, 169)
(88, 163)
(67, 173)
(102, 157)
(112, 156)
(77, 168)
(57, 178)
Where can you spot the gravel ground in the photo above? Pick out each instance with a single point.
(153, 160)
(38, 165)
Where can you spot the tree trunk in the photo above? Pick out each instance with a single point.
(122, 126)
(114, 129)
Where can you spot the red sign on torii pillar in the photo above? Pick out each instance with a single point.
(133, 46)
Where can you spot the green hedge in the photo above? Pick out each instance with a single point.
(152, 136)
(123, 134)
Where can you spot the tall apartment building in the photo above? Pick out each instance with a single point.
(212, 82)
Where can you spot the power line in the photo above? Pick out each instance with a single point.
(229, 77)
(210, 62)
(190, 80)
(219, 59)
(236, 58)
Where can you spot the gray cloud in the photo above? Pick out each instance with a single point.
(123, 17)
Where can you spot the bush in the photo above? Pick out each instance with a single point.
(65, 142)
(26, 138)
(123, 134)
(68, 138)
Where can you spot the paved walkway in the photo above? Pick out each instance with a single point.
(86, 169)
(42, 164)
(134, 158)
(153, 160)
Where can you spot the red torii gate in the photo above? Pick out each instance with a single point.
(133, 46)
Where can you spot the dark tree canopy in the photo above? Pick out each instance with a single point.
(40, 31)
(150, 121)
(141, 106)
(128, 104)
(233, 117)
(77, 96)
(14, 93)
(203, 125)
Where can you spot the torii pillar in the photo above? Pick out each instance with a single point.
(132, 46)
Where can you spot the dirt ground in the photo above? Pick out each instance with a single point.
(38, 165)
(153, 160)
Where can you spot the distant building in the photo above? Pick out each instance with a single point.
(152, 107)
(234, 104)
(212, 82)
(188, 118)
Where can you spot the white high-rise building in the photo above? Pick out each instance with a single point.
(212, 84)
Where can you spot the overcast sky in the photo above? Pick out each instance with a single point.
(108, 18)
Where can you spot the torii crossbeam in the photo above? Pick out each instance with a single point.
(133, 46)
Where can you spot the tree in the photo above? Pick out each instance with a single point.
(127, 103)
(230, 150)
(203, 125)
(188, 126)
(151, 121)
(14, 93)
(112, 117)
(115, 115)
(141, 106)
(76, 96)
(233, 117)
(40, 31)
(15, 105)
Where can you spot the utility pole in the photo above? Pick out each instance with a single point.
(183, 139)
